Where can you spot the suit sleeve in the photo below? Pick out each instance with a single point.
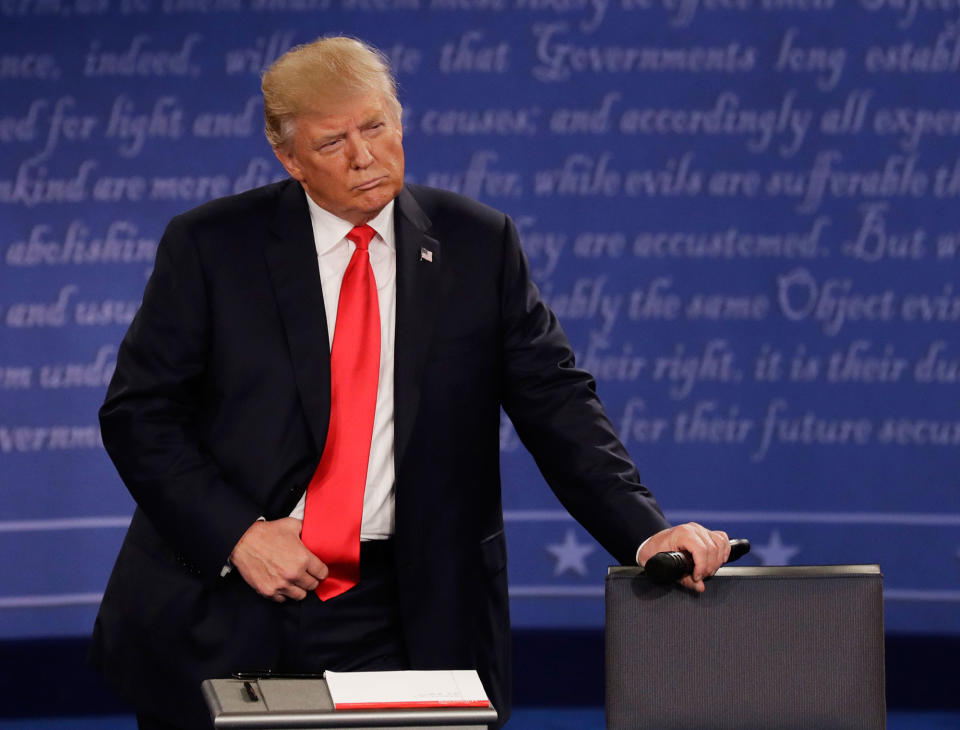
(558, 416)
(150, 418)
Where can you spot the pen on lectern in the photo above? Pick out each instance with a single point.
(269, 674)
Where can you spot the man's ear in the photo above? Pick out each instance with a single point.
(288, 159)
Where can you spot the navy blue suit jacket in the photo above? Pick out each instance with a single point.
(218, 412)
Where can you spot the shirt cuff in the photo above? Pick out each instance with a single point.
(636, 557)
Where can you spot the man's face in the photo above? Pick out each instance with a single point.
(350, 160)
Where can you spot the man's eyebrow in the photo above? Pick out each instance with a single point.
(333, 136)
(375, 117)
(323, 139)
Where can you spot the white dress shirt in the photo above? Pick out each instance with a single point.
(334, 251)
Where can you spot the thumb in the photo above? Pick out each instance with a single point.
(317, 568)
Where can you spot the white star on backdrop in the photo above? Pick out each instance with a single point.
(570, 554)
(775, 552)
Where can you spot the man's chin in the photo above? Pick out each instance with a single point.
(375, 198)
(366, 207)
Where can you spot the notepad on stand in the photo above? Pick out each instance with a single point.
(406, 689)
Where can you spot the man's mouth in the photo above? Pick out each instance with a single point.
(370, 184)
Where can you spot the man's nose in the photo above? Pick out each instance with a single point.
(358, 150)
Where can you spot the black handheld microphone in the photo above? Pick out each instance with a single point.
(670, 567)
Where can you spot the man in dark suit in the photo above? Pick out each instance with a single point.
(226, 397)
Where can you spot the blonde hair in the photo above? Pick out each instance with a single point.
(316, 76)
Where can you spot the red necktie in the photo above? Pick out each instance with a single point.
(334, 507)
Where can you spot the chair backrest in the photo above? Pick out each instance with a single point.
(767, 648)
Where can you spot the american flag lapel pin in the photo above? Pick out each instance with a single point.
(426, 255)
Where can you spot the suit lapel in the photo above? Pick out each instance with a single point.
(292, 260)
(419, 265)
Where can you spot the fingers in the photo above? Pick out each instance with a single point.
(279, 587)
(304, 582)
(709, 550)
(694, 585)
(316, 567)
(294, 592)
(314, 572)
(275, 563)
(296, 579)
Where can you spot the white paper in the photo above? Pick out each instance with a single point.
(412, 688)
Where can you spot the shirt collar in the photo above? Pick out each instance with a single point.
(329, 230)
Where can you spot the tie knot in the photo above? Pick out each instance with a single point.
(362, 235)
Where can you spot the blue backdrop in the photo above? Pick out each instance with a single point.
(745, 214)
